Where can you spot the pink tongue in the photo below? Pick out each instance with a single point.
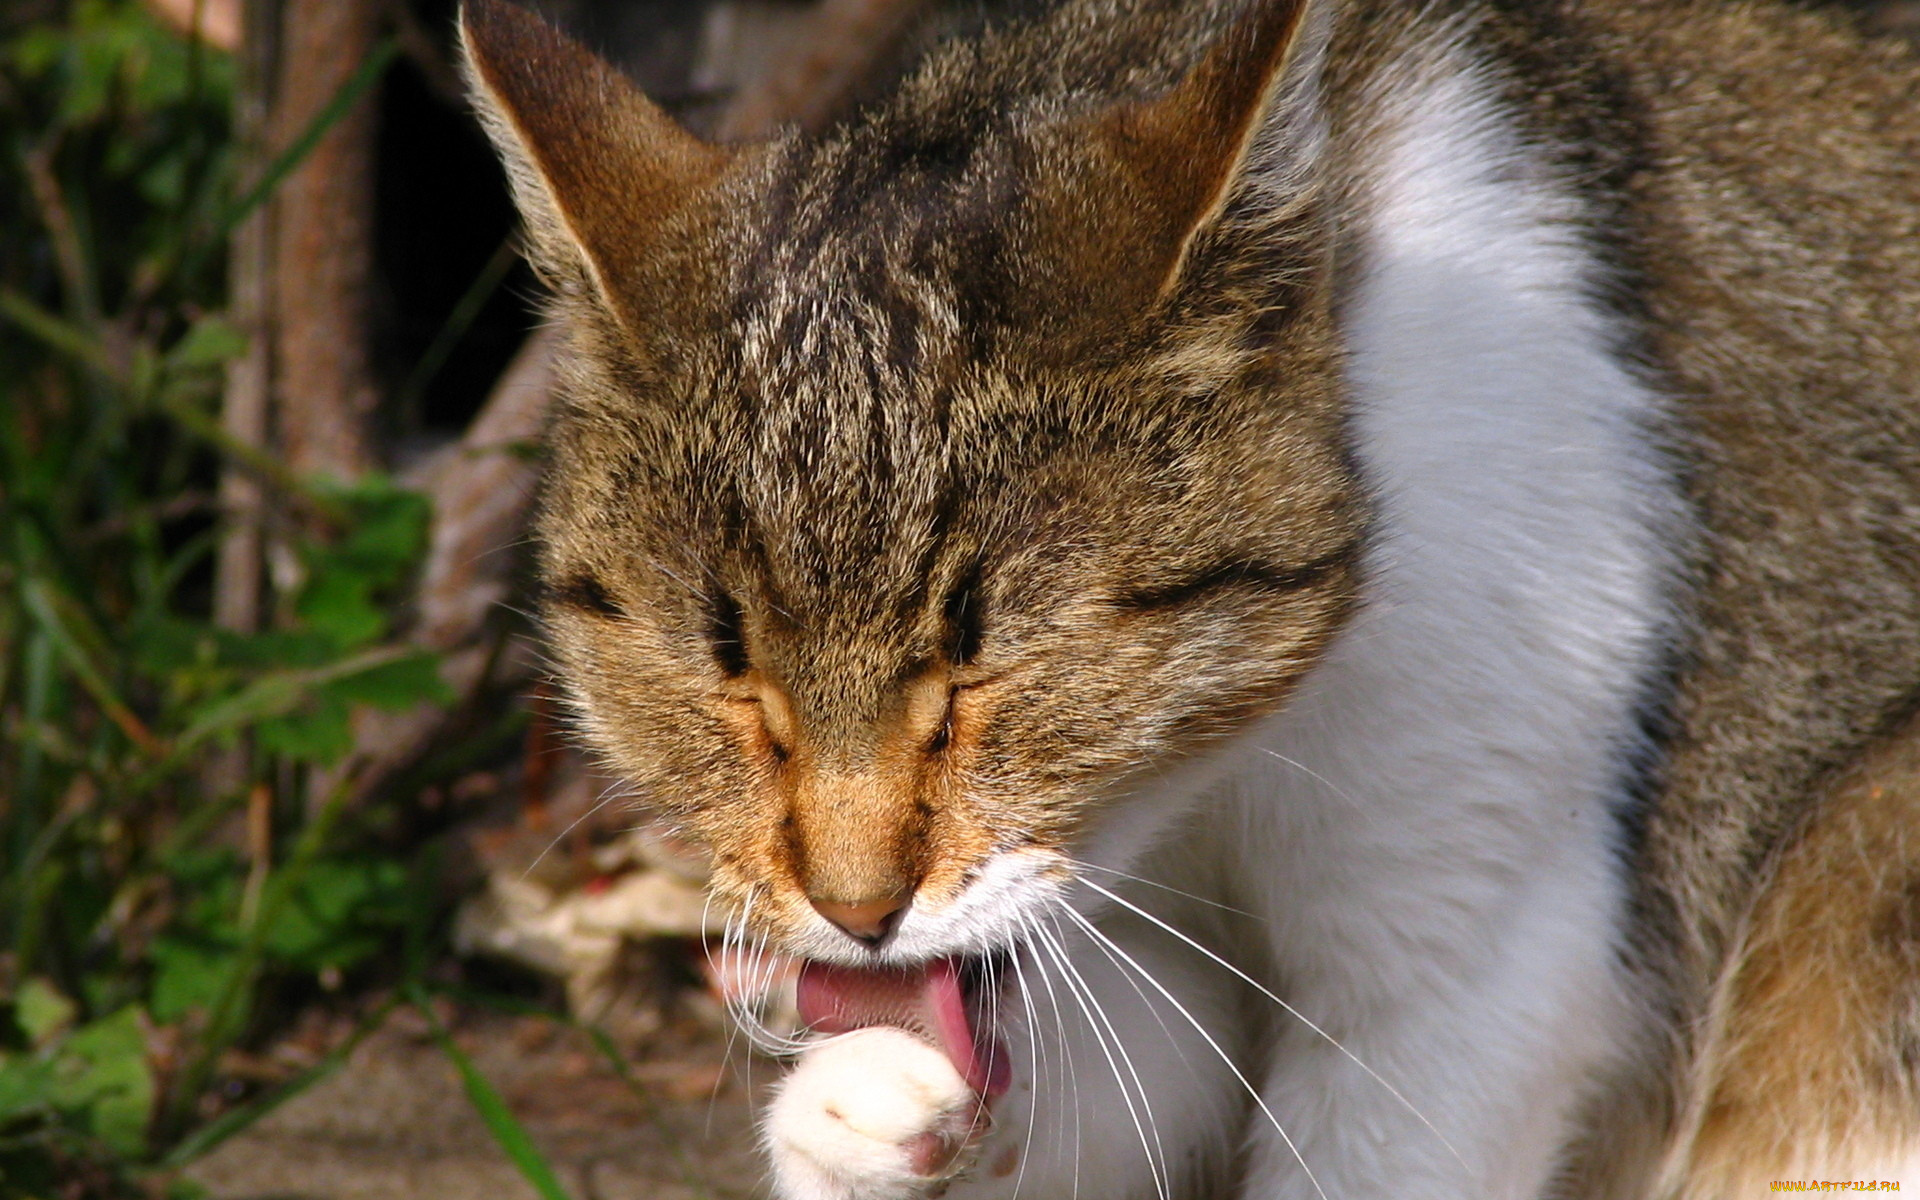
(925, 1001)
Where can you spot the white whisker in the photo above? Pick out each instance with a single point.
(1109, 1041)
(1037, 1059)
(1240, 912)
(1070, 1072)
(1200, 1029)
(1101, 945)
(1310, 773)
(1291, 1011)
(615, 790)
(754, 981)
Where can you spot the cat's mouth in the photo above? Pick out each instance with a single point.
(949, 1002)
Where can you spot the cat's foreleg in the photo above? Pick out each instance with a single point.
(1116, 1093)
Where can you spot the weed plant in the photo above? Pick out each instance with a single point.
(166, 864)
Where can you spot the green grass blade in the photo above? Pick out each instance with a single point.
(276, 694)
(283, 165)
(604, 1044)
(500, 1121)
(56, 332)
(74, 342)
(465, 311)
(203, 1140)
(65, 623)
(269, 469)
(192, 261)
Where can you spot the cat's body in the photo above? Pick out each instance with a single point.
(1406, 512)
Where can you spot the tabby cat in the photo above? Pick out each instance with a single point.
(1282, 599)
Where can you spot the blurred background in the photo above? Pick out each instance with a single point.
(302, 893)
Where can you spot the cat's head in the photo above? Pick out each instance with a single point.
(920, 486)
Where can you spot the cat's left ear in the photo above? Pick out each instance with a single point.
(599, 172)
(1172, 161)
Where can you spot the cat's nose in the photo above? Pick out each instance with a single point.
(867, 920)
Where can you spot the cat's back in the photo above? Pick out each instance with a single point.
(1770, 258)
(1778, 190)
(1745, 180)
(1750, 183)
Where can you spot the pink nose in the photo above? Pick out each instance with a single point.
(867, 920)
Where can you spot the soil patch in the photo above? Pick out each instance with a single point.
(395, 1122)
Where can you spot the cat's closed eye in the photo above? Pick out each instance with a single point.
(943, 735)
(963, 619)
(725, 632)
(1238, 575)
(585, 593)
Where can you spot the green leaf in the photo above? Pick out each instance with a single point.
(275, 695)
(163, 183)
(339, 603)
(321, 732)
(41, 1012)
(388, 533)
(189, 975)
(165, 645)
(334, 911)
(107, 1079)
(90, 63)
(301, 648)
(397, 685)
(27, 1084)
(38, 50)
(211, 342)
(202, 867)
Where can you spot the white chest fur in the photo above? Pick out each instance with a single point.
(1436, 815)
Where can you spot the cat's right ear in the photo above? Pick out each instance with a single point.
(1159, 173)
(598, 170)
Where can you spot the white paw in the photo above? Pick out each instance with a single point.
(876, 1114)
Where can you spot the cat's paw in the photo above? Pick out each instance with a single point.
(876, 1114)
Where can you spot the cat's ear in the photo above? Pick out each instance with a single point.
(598, 170)
(1174, 159)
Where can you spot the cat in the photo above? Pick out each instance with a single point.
(1299, 598)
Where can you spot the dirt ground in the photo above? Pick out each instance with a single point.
(395, 1123)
